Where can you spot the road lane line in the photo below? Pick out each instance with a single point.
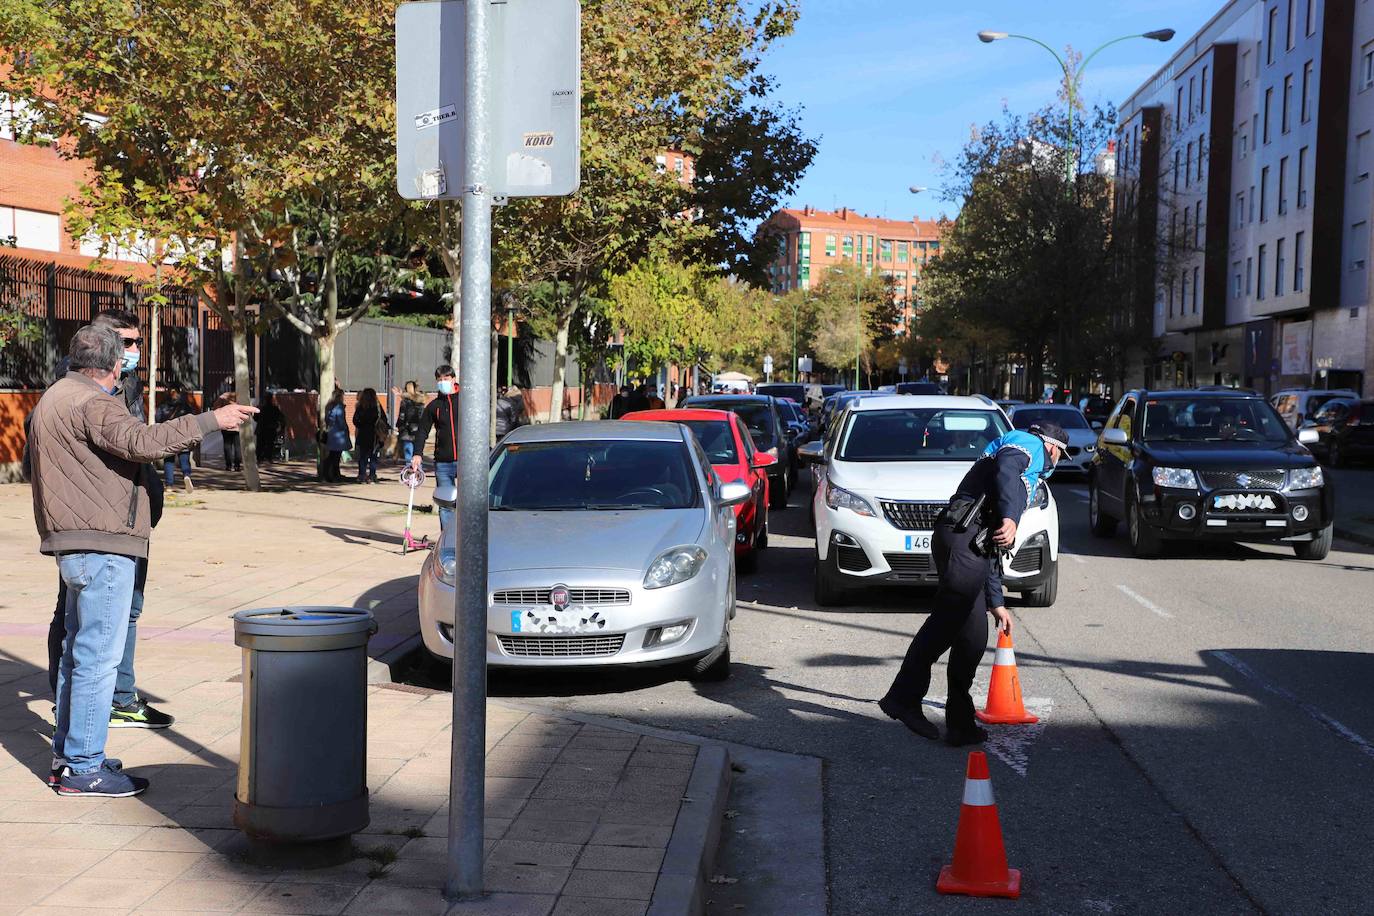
(1146, 603)
(1341, 730)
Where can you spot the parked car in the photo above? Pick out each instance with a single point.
(798, 426)
(733, 457)
(1095, 408)
(888, 472)
(837, 402)
(1297, 405)
(795, 391)
(611, 544)
(1082, 438)
(1188, 465)
(763, 417)
(1345, 431)
(920, 388)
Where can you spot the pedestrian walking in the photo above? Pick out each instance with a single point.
(408, 419)
(177, 405)
(89, 456)
(334, 437)
(441, 415)
(510, 410)
(271, 423)
(620, 404)
(233, 453)
(370, 428)
(970, 536)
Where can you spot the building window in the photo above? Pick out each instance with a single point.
(1278, 268)
(1192, 98)
(830, 246)
(1268, 106)
(1187, 214)
(1311, 17)
(1299, 253)
(885, 251)
(1183, 293)
(1240, 209)
(1367, 66)
(1362, 156)
(1264, 194)
(1188, 167)
(1235, 280)
(848, 248)
(1245, 68)
(1202, 99)
(1244, 141)
(1169, 294)
(1302, 178)
(1259, 274)
(1173, 232)
(1201, 155)
(1287, 104)
(1283, 186)
(1252, 203)
(1249, 275)
(1271, 34)
(1292, 24)
(1306, 92)
(1176, 169)
(1197, 225)
(1196, 293)
(1359, 244)
(31, 228)
(901, 257)
(1178, 107)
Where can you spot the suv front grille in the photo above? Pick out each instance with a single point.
(561, 646)
(1253, 480)
(530, 597)
(916, 567)
(912, 516)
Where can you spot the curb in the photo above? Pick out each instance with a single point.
(682, 879)
(388, 667)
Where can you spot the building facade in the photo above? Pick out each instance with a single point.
(1243, 172)
(809, 241)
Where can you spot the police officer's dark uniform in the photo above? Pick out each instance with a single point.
(1006, 478)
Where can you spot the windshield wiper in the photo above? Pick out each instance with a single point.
(606, 507)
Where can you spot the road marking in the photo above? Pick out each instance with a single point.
(1341, 730)
(1146, 603)
(1010, 744)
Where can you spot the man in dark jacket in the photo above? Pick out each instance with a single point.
(510, 410)
(441, 415)
(89, 457)
(967, 548)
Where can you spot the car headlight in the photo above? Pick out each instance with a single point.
(1182, 478)
(447, 566)
(840, 498)
(1305, 478)
(674, 566)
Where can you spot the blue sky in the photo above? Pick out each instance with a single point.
(892, 86)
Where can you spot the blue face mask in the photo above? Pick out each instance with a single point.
(129, 361)
(446, 386)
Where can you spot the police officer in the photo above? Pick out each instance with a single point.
(970, 536)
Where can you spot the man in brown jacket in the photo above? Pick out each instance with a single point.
(92, 513)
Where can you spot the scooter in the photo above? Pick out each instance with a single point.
(412, 477)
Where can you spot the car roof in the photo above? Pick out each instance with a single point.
(1346, 391)
(730, 398)
(912, 401)
(1019, 407)
(1179, 393)
(575, 431)
(678, 415)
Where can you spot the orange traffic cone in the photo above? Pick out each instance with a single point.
(1004, 692)
(980, 859)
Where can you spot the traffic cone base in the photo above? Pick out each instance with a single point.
(948, 884)
(1005, 706)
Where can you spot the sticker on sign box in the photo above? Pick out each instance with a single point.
(527, 171)
(541, 140)
(435, 116)
(431, 182)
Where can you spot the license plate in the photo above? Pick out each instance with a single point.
(918, 543)
(552, 621)
(1245, 502)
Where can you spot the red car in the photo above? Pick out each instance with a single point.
(730, 448)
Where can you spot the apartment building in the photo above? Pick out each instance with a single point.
(1243, 172)
(810, 241)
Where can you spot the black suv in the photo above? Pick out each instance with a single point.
(1207, 464)
(763, 416)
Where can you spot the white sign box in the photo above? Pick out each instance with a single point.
(536, 101)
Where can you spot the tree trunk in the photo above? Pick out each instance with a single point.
(560, 365)
(239, 326)
(324, 354)
(152, 353)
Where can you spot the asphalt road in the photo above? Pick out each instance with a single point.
(1207, 742)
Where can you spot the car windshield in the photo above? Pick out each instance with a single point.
(757, 416)
(1213, 419)
(592, 475)
(1023, 417)
(716, 439)
(919, 388)
(795, 392)
(931, 434)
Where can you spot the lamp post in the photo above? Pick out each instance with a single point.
(858, 328)
(1072, 78)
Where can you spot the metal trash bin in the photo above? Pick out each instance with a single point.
(303, 744)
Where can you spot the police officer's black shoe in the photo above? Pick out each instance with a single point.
(958, 736)
(913, 719)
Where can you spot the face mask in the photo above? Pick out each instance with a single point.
(446, 387)
(129, 361)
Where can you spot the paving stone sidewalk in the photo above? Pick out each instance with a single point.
(578, 815)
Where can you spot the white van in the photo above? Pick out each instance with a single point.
(1298, 404)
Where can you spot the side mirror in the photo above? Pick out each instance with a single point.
(1115, 436)
(812, 452)
(733, 493)
(446, 496)
(763, 460)
(1308, 436)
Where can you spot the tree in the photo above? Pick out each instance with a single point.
(854, 311)
(17, 326)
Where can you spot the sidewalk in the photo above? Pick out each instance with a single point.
(582, 817)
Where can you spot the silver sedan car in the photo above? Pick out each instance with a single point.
(610, 544)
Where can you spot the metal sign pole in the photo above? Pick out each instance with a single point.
(466, 791)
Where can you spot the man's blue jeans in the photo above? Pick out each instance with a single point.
(99, 592)
(125, 691)
(408, 449)
(182, 460)
(445, 475)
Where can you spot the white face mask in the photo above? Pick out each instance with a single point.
(445, 386)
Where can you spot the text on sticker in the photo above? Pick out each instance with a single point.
(541, 140)
(435, 116)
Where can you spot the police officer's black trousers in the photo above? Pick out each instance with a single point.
(958, 624)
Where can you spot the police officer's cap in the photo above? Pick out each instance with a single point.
(1052, 433)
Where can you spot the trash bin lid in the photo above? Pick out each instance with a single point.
(308, 621)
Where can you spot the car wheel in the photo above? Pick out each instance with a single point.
(1317, 548)
(1145, 542)
(827, 592)
(1102, 525)
(1043, 595)
(713, 667)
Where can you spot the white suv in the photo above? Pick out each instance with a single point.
(883, 477)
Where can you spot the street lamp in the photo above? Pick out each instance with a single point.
(1072, 78)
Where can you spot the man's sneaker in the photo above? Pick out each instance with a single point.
(187, 485)
(55, 772)
(138, 714)
(110, 781)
